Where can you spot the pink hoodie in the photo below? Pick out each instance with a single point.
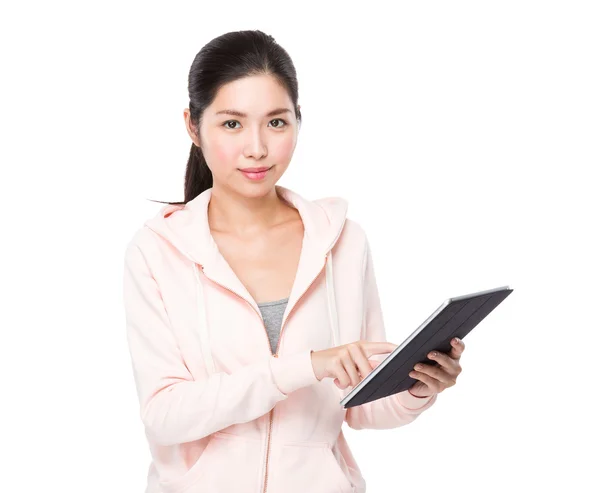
(221, 412)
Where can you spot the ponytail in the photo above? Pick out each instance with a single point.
(198, 176)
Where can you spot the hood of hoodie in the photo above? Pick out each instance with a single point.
(187, 229)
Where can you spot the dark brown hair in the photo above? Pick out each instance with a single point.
(227, 58)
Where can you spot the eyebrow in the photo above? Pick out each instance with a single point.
(277, 111)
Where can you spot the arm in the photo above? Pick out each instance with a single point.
(394, 410)
(176, 408)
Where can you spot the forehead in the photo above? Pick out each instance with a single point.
(254, 95)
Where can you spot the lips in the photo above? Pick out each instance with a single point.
(256, 170)
(255, 175)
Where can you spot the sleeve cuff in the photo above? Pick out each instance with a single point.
(294, 371)
(413, 403)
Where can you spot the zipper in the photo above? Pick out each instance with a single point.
(276, 355)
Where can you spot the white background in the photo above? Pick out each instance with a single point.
(465, 137)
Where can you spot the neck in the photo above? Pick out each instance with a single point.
(243, 216)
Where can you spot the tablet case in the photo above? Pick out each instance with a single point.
(456, 317)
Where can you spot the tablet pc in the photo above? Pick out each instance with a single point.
(455, 317)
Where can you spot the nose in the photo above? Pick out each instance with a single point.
(256, 145)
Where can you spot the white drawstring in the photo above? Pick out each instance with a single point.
(203, 329)
(333, 317)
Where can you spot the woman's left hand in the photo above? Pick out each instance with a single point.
(434, 379)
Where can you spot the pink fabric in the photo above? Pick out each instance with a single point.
(418, 396)
(214, 401)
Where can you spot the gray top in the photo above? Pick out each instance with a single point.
(272, 312)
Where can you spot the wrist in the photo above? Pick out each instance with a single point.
(312, 361)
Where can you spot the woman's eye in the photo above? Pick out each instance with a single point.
(228, 122)
(281, 120)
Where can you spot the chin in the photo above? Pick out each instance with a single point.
(251, 190)
(257, 190)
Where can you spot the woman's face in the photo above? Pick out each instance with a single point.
(262, 134)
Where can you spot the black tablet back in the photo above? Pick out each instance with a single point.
(456, 319)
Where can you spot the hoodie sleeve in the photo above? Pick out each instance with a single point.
(176, 408)
(394, 410)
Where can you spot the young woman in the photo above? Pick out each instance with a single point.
(252, 311)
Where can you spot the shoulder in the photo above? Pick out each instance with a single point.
(354, 228)
(354, 233)
(142, 244)
(353, 242)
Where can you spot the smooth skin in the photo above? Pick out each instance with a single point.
(258, 234)
(251, 123)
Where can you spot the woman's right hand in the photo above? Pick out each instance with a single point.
(348, 364)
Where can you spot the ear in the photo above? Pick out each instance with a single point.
(191, 129)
